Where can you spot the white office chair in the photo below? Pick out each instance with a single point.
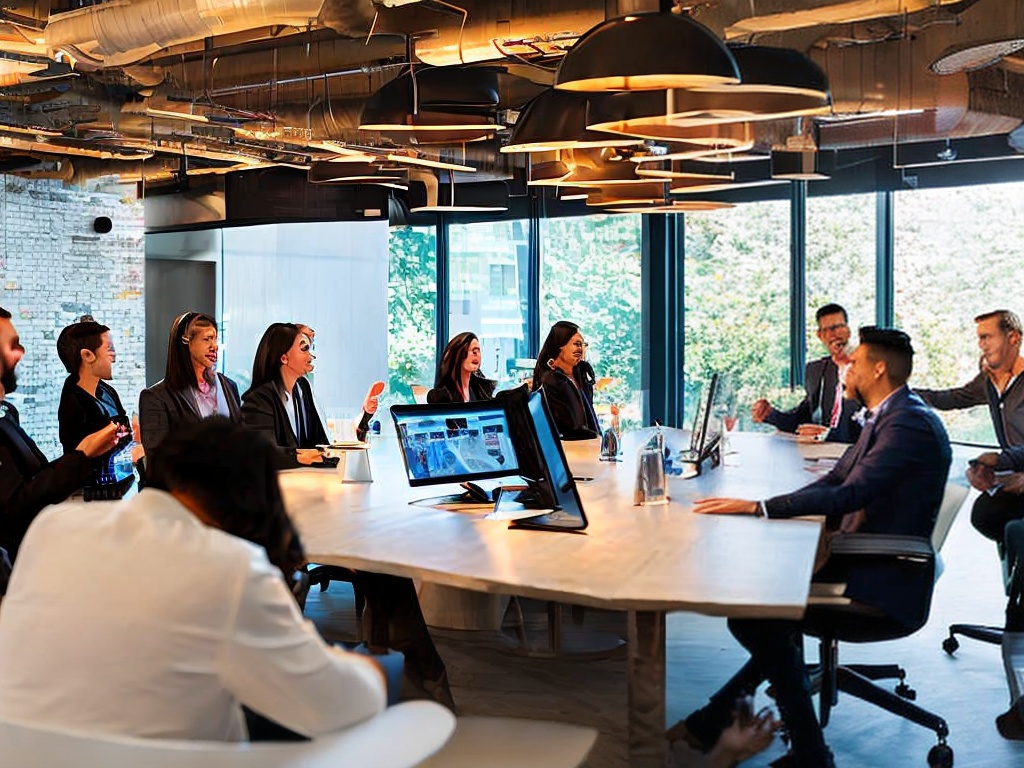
(402, 736)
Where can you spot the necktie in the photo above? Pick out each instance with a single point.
(300, 417)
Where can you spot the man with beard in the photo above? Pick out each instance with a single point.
(825, 410)
(28, 481)
(891, 481)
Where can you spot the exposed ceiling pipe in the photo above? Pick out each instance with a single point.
(119, 33)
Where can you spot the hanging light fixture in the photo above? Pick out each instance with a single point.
(645, 52)
(676, 206)
(435, 105)
(478, 197)
(558, 120)
(645, 194)
(639, 114)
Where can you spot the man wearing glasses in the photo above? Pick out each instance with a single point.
(825, 412)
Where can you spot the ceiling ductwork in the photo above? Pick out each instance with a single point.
(120, 33)
(207, 86)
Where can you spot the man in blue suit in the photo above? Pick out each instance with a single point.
(890, 481)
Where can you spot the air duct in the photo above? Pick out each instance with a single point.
(121, 32)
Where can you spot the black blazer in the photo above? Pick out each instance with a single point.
(571, 402)
(79, 415)
(161, 411)
(264, 411)
(820, 377)
(480, 388)
(28, 482)
(316, 434)
(896, 472)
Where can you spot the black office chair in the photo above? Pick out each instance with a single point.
(833, 618)
(1013, 584)
(323, 575)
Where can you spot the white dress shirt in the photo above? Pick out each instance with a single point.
(135, 618)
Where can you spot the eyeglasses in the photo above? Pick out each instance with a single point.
(833, 327)
(580, 344)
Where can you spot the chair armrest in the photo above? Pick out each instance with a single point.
(874, 545)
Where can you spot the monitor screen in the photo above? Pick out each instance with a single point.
(702, 436)
(542, 462)
(454, 442)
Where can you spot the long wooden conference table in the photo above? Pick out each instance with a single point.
(645, 561)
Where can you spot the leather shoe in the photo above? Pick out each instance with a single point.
(789, 760)
(1010, 724)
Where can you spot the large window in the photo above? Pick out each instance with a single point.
(590, 275)
(957, 255)
(487, 292)
(840, 251)
(412, 308)
(737, 305)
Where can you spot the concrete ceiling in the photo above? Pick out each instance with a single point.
(166, 89)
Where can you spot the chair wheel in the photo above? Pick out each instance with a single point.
(940, 756)
(904, 691)
(950, 644)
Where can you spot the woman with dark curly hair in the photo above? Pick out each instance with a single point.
(568, 382)
(458, 377)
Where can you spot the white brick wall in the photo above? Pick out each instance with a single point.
(54, 268)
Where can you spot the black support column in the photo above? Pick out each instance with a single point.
(885, 260)
(797, 281)
(662, 300)
(441, 306)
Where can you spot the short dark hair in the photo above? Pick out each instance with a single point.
(4, 314)
(276, 341)
(229, 470)
(83, 335)
(830, 309)
(891, 346)
(179, 375)
(1008, 321)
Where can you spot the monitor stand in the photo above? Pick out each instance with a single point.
(453, 500)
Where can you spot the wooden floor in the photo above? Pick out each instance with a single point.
(969, 690)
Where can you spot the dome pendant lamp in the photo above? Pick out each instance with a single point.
(646, 52)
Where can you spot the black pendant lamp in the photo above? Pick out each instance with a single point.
(558, 120)
(643, 52)
(435, 105)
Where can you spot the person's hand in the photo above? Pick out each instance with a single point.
(720, 506)
(1013, 483)
(759, 410)
(370, 403)
(744, 738)
(981, 477)
(99, 442)
(307, 456)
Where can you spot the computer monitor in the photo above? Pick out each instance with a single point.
(454, 442)
(704, 437)
(542, 464)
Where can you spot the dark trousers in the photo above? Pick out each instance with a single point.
(395, 621)
(991, 514)
(776, 654)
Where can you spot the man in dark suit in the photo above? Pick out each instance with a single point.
(28, 481)
(890, 481)
(824, 409)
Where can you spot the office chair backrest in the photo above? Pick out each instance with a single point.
(952, 500)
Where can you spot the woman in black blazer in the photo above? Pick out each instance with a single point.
(568, 382)
(274, 405)
(191, 389)
(458, 377)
